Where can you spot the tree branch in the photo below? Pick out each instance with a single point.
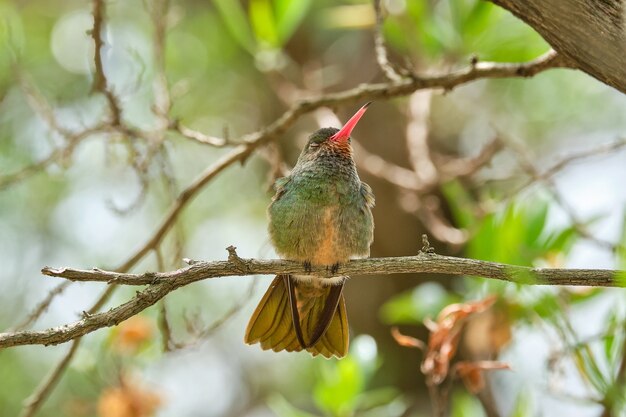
(100, 82)
(379, 45)
(590, 34)
(162, 283)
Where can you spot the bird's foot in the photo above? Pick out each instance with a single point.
(307, 266)
(334, 268)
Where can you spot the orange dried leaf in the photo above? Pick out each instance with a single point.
(461, 310)
(445, 336)
(128, 400)
(131, 334)
(406, 341)
(472, 373)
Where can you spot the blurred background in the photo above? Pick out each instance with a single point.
(521, 171)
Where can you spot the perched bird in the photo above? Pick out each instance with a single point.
(320, 215)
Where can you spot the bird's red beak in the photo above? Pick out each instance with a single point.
(345, 132)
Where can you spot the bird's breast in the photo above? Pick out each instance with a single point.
(329, 250)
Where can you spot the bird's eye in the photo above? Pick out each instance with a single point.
(314, 145)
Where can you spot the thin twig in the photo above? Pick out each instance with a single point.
(42, 307)
(100, 82)
(614, 397)
(167, 341)
(34, 402)
(567, 160)
(45, 387)
(525, 160)
(382, 56)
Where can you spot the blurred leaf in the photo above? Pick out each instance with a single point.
(465, 405)
(337, 391)
(236, 22)
(283, 408)
(523, 405)
(472, 373)
(263, 22)
(518, 235)
(376, 398)
(536, 222)
(478, 18)
(460, 203)
(128, 400)
(545, 305)
(543, 301)
(289, 15)
(460, 27)
(425, 300)
(11, 35)
(132, 335)
(588, 368)
(621, 252)
(581, 295)
(609, 345)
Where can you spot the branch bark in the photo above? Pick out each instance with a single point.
(159, 284)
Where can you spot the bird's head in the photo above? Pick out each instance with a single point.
(332, 141)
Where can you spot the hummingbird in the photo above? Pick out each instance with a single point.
(320, 215)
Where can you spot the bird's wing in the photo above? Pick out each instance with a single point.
(280, 186)
(368, 195)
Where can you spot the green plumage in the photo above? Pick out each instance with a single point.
(320, 215)
(323, 196)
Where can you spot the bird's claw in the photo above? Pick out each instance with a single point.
(307, 266)
(334, 268)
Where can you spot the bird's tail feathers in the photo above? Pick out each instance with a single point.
(294, 315)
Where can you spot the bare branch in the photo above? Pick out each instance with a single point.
(364, 92)
(195, 135)
(465, 167)
(421, 263)
(417, 131)
(162, 283)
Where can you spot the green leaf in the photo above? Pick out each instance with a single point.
(289, 15)
(263, 23)
(523, 405)
(518, 234)
(547, 305)
(588, 367)
(283, 408)
(561, 241)
(536, 222)
(460, 203)
(465, 405)
(376, 398)
(621, 249)
(236, 22)
(425, 300)
(478, 18)
(339, 388)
